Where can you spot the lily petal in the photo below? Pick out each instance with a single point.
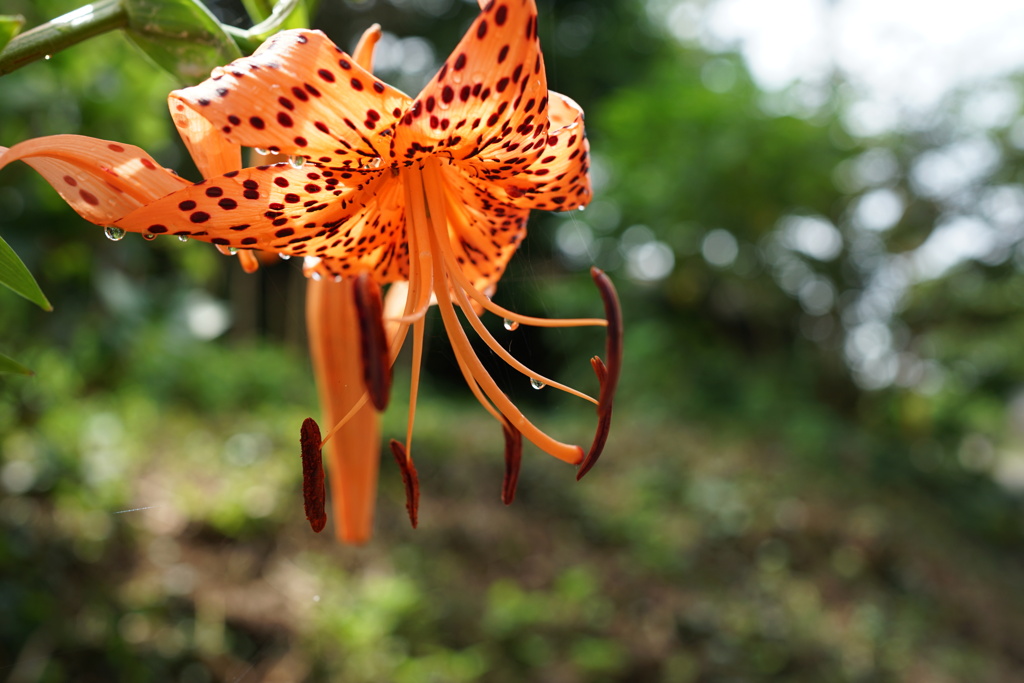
(488, 101)
(559, 179)
(101, 180)
(484, 231)
(210, 150)
(300, 95)
(295, 211)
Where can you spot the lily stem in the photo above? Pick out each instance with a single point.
(63, 32)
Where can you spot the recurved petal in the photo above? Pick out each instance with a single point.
(101, 180)
(559, 179)
(209, 149)
(484, 231)
(300, 95)
(488, 101)
(275, 208)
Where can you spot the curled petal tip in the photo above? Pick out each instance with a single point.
(513, 459)
(314, 493)
(373, 340)
(411, 480)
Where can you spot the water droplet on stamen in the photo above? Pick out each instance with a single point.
(297, 161)
(183, 238)
(149, 237)
(260, 150)
(511, 325)
(284, 257)
(537, 384)
(114, 233)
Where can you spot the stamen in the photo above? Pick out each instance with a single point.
(373, 340)
(502, 353)
(607, 375)
(410, 479)
(434, 194)
(513, 458)
(461, 281)
(314, 492)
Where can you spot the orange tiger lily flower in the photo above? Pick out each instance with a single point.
(429, 195)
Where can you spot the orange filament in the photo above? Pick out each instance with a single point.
(427, 177)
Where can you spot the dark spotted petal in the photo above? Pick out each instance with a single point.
(559, 179)
(488, 102)
(299, 94)
(300, 212)
(101, 180)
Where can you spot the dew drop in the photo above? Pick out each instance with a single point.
(580, 207)
(375, 162)
(537, 384)
(511, 325)
(297, 161)
(114, 233)
(183, 238)
(47, 57)
(284, 257)
(232, 250)
(260, 150)
(149, 237)
(315, 275)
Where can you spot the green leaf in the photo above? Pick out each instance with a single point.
(10, 25)
(258, 10)
(11, 365)
(286, 14)
(181, 36)
(15, 275)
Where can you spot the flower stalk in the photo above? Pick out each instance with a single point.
(66, 30)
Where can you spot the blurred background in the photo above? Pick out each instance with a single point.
(814, 213)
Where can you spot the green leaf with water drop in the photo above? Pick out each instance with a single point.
(10, 365)
(15, 275)
(182, 36)
(10, 26)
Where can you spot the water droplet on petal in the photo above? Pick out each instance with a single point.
(375, 162)
(183, 238)
(149, 237)
(232, 250)
(315, 276)
(260, 150)
(580, 207)
(284, 257)
(297, 161)
(114, 233)
(536, 383)
(511, 325)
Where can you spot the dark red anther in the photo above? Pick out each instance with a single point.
(410, 479)
(314, 493)
(373, 341)
(607, 374)
(513, 458)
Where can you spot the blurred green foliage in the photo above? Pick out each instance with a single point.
(814, 474)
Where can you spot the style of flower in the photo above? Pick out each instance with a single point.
(429, 196)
